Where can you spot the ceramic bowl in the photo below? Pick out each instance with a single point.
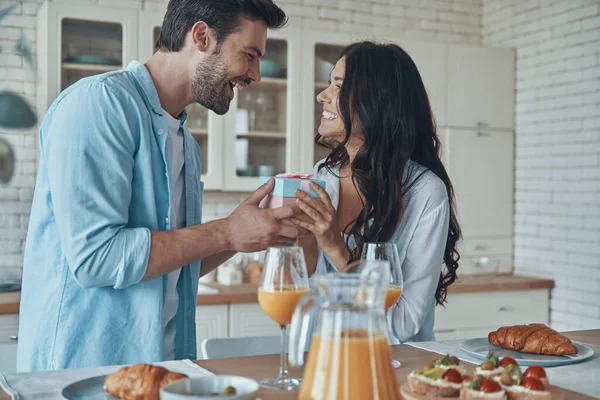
(269, 68)
(202, 388)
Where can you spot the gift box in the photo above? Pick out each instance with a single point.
(284, 191)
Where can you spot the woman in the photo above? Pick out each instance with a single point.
(385, 182)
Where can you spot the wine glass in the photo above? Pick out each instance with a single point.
(387, 252)
(283, 282)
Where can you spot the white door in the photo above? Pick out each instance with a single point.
(204, 125)
(481, 87)
(481, 170)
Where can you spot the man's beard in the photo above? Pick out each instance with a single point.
(210, 85)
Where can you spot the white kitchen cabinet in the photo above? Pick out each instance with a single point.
(473, 314)
(248, 319)
(75, 41)
(480, 165)
(211, 322)
(263, 122)
(9, 327)
(431, 61)
(481, 87)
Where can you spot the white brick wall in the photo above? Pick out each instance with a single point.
(444, 20)
(557, 210)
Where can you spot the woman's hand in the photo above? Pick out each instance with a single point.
(324, 224)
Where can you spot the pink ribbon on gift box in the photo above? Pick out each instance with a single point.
(294, 175)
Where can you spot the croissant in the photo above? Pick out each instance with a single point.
(139, 382)
(532, 338)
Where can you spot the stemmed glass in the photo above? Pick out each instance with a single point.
(283, 282)
(387, 252)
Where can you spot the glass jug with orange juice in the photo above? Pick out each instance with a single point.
(349, 354)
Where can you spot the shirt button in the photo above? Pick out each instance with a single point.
(167, 220)
(160, 132)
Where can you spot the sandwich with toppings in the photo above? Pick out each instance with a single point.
(493, 367)
(435, 381)
(531, 385)
(481, 388)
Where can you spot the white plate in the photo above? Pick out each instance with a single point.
(89, 389)
(480, 347)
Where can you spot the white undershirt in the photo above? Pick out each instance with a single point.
(175, 160)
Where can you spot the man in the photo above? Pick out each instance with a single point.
(111, 266)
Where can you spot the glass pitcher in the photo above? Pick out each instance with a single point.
(349, 354)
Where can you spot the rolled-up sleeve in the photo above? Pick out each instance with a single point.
(88, 144)
(421, 271)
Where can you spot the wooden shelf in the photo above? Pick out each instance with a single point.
(263, 135)
(272, 82)
(198, 131)
(91, 67)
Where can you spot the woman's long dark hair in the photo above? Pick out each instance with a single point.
(383, 96)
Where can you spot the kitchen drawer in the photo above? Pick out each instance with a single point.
(477, 265)
(8, 358)
(485, 247)
(492, 309)
(9, 327)
(249, 319)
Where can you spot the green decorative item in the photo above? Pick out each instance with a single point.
(269, 68)
(15, 112)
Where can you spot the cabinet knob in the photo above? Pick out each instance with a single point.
(13, 337)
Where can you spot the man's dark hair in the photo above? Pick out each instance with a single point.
(223, 16)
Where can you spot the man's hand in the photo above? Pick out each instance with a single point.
(251, 228)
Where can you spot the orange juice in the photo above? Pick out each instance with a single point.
(392, 295)
(280, 303)
(352, 366)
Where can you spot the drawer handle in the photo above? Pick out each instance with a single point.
(13, 337)
(505, 309)
(483, 134)
(481, 247)
(482, 123)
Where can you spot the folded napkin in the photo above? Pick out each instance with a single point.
(581, 377)
(48, 385)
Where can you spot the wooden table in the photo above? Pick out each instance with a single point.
(267, 366)
(412, 358)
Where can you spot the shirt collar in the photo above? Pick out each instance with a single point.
(142, 76)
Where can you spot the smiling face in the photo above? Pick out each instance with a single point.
(233, 63)
(332, 125)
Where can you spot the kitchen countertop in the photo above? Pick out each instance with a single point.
(247, 293)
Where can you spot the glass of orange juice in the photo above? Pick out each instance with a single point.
(387, 252)
(284, 281)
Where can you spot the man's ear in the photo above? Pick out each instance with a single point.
(201, 36)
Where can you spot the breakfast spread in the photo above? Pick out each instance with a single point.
(532, 338)
(140, 381)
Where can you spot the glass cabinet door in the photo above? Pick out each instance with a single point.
(259, 131)
(82, 41)
(89, 48)
(201, 123)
